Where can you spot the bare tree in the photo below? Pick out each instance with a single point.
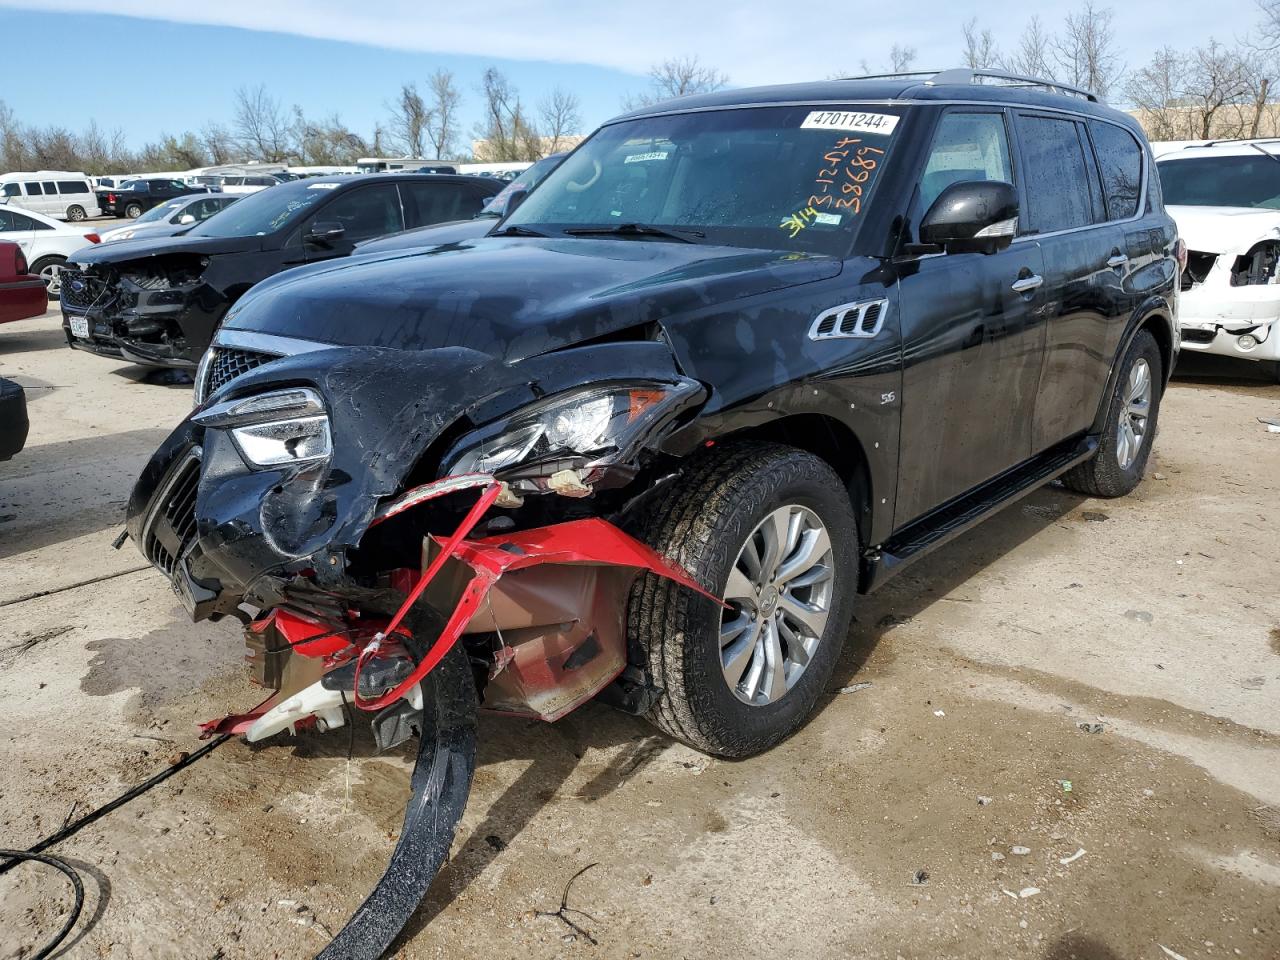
(409, 117)
(678, 77)
(1156, 92)
(218, 143)
(901, 58)
(1085, 50)
(261, 125)
(980, 51)
(560, 117)
(506, 131)
(1219, 82)
(442, 113)
(326, 142)
(1033, 57)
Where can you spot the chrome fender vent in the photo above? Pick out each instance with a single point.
(862, 319)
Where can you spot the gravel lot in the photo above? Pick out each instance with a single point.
(1155, 616)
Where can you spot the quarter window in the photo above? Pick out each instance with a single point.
(72, 186)
(426, 203)
(1058, 179)
(1120, 158)
(967, 146)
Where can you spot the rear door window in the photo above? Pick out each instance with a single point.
(34, 190)
(1057, 177)
(427, 203)
(1120, 158)
(50, 188)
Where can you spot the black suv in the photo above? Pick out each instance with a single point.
(737, 359)
(135, 197)
(157, 300)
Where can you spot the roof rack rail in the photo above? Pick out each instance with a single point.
(964, 75)
(1214, 143)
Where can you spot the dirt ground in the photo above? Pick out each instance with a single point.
(953, 808)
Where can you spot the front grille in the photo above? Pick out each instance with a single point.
(173, 525)
(229, 363)
(80, 289)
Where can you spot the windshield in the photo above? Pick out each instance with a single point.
(265, 211)
(160, 212)
(1222, 181)
(497, 204)
(795, 178)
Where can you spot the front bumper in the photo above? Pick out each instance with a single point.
(1214, 318)
(167, 328)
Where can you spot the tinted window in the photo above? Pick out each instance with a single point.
(12, 220)
(1056, 174)
(265, 211)
(967, 146)
(72, 186)
(33, 190)
(426, 203)
(50, 188)
(1222, 181)
(365, 213)
(6, 220)
(12, 190)
(1120, 158)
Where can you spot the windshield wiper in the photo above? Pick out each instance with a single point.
(636, 230)
(515, 230)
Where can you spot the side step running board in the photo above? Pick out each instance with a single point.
(954, 518)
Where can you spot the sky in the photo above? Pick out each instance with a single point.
(153, 66)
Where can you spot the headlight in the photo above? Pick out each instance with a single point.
(275, 429)
(591, 423)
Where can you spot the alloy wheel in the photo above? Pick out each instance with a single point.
(779, 594)
(1134, 414)
(51, 274)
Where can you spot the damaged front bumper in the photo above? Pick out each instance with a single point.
(149, 320)
(1231, 321)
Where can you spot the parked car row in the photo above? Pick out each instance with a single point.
(45, 243)
(171, 217)
(135, 197)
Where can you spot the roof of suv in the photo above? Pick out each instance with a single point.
(1188, 149)
(949, 85)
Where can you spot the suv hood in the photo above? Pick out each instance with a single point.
(1224, 229)
(512, 298)
(138, 248)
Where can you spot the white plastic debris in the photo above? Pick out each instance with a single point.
(1073, 858)
(997, 855)
(1008, 893)
(855, 687)
(939, 713)
(1019, 851)
(1028, 892)
(984, 801)
(1169, 953)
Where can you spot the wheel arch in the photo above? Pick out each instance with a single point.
(1156, 317)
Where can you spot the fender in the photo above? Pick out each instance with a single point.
(1159, 309)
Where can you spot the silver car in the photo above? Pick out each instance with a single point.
(171, 217)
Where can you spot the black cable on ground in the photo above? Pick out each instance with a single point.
(36, 854)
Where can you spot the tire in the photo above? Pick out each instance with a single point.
(1114, 471)
(133, 211)
(75, 213)
(704, 527)
(48, 269)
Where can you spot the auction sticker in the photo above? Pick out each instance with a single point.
(881, 123)
(643, 157)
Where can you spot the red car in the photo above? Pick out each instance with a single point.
(21, 294)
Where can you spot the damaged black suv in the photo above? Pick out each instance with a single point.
(740, 357)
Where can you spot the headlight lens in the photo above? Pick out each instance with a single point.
(275, 429)
(593, 421)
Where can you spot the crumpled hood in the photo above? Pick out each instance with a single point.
(1225, 229)
(136, 249)
(512, 297)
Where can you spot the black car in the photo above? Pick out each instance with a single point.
(13, 419)
(158, 301)
(133, 198)
(741, 357)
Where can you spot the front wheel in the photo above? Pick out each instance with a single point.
(133, 211)
(49, 269)
(1125, 446)
(75, 213)
(771, 530)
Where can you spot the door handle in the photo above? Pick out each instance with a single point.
(1117, 260)
(1027, 284)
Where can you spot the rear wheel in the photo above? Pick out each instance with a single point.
(133, 210)
(49, 269)
(75, 212)
(1122, 454)
(771, 530)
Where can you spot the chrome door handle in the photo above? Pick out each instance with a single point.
(1027, 284)
(1117, 260)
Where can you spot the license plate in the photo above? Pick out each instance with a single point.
(80, 327)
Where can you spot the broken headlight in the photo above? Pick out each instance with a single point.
(274, 429)
(590, 423)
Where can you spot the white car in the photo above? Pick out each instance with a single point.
(45, 242)
(1225, 197)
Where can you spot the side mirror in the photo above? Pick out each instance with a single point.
(517, 197)
(974, 216)
(187, 218)
(325, 232)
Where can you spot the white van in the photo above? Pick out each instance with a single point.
(60, 194)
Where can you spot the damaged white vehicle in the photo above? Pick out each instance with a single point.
(1225, 197)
